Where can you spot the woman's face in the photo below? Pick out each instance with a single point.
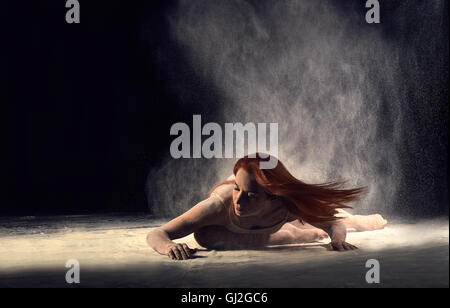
(249, 198)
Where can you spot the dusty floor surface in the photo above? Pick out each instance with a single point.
(112, 252)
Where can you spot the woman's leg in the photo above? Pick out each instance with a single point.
(292, 234)
(362, 222)
(218, 237)
(305, 232)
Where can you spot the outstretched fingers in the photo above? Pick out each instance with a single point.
(348, 246)
(341, 246)
(181, 252)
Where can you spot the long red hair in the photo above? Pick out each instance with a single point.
(310, 202)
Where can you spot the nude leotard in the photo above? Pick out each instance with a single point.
(234, 228)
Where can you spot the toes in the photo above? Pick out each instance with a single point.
(322, 235)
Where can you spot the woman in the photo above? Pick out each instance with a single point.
(257, 207)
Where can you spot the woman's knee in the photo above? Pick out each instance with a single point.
(207, 237)
(219, 238)
(202, 237)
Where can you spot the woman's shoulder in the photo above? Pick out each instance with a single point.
(224, 191)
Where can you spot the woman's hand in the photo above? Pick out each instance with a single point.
(337, 232)
(180, 251)
(340, 246)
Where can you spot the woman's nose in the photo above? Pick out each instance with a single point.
(240, 198)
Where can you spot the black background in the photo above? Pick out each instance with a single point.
(89, 106)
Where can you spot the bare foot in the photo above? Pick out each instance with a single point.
(367, 222)
(308, 235)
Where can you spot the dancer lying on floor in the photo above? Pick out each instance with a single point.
(258, 207)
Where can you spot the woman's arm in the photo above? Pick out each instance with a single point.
(337, 231)
(159, 240)
(206, 212)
